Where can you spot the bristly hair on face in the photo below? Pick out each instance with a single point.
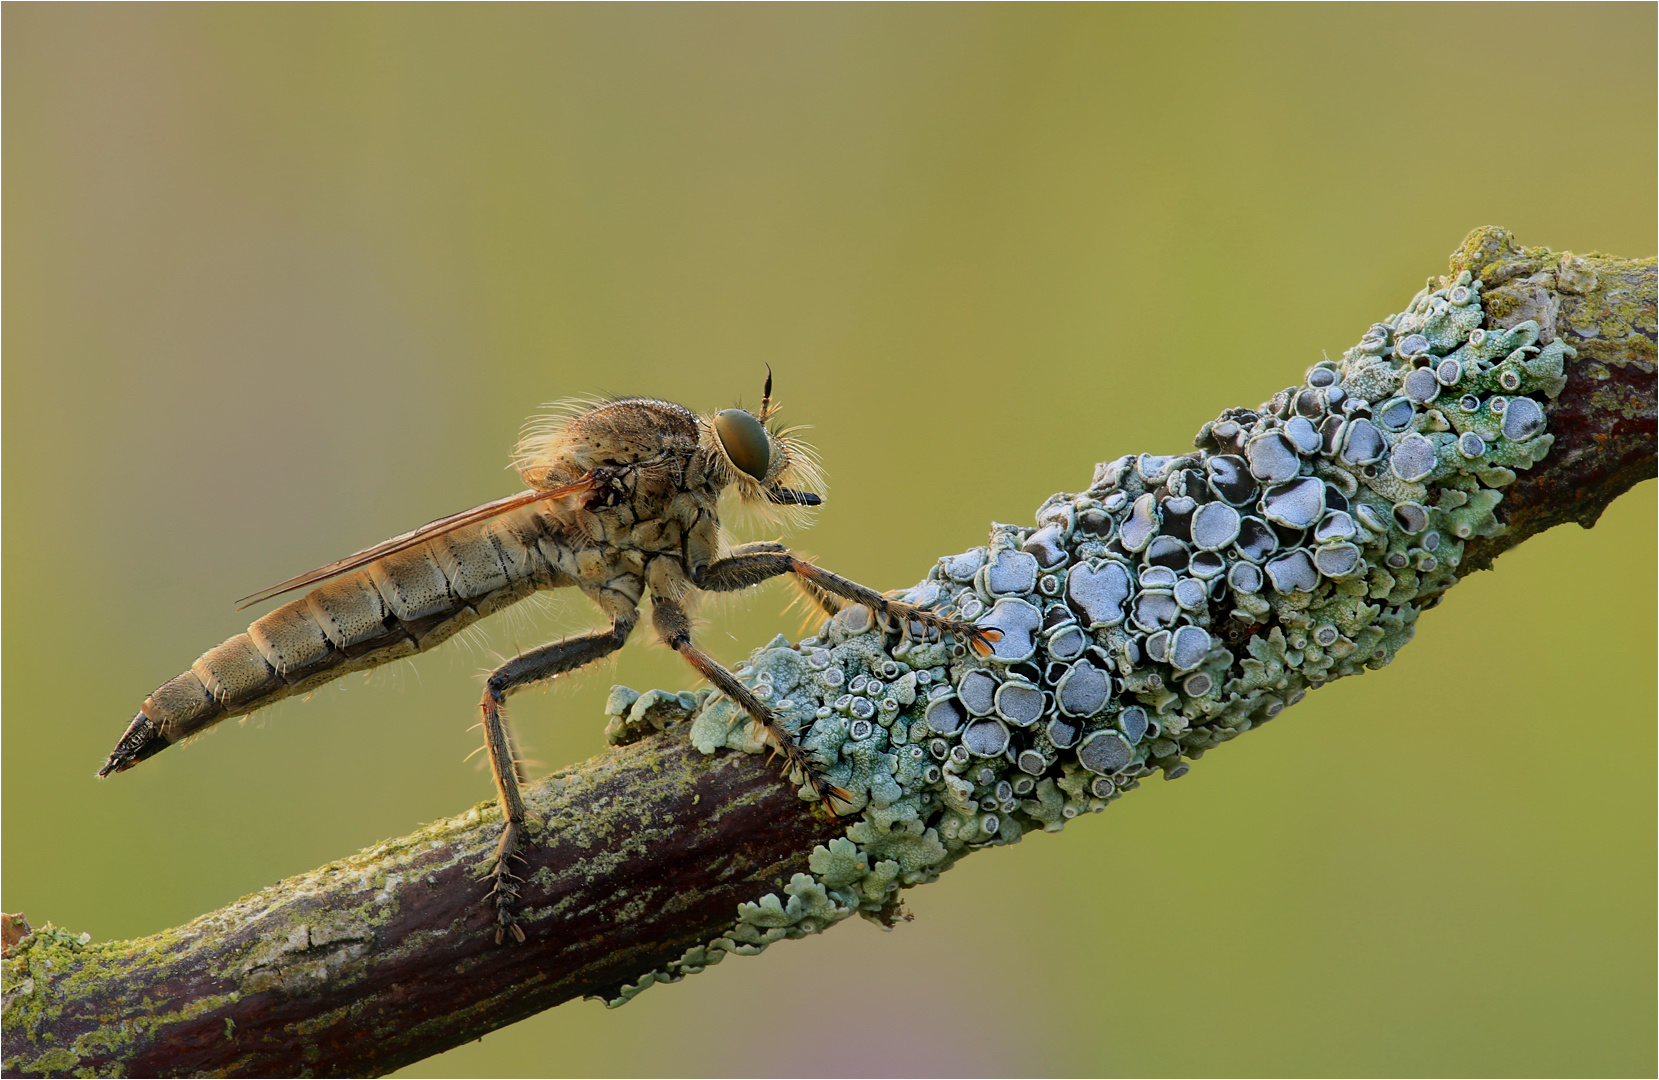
(805, 473)
(793, 465)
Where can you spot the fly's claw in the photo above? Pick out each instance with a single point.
(823, 789)
(979, 638)
(982, 639)
(504, 894)
(832, 792)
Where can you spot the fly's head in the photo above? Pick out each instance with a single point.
(768, 466)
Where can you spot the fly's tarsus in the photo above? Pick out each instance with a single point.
(798, 765)
(979, 638)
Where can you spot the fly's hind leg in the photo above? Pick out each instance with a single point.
(674, 627)
(524, 669)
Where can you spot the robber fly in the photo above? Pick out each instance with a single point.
(623, 500)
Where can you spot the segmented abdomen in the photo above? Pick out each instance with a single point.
(392, 608)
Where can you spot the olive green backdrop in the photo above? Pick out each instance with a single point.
(282, 281)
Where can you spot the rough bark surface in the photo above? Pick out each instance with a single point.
(370, 963)
(1603, 421)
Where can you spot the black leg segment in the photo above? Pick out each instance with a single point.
(522, 670)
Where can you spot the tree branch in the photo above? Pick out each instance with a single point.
(379, 960)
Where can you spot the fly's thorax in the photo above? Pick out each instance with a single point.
(656, 473)
(615, 543)
(655, 438)
(708, 469)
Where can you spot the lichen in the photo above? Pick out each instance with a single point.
(1174, 604)
(635, 715)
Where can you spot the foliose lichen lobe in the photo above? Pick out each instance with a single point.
(1174, 604)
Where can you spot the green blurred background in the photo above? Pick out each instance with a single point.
(282, 281)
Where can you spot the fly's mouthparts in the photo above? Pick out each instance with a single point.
(790, 497)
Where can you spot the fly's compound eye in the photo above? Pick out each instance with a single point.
(745, 440)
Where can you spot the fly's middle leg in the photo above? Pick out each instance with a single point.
(524, 669)
(674, 627)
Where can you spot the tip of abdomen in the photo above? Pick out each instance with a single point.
(143, 739)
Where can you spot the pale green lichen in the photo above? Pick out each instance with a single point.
(808, 906)
(1173, 605)
(635, 715)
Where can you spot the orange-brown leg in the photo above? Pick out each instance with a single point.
(755, 563)
(674, 627)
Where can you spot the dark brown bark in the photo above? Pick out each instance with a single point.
(368, 964)
(1604, 420)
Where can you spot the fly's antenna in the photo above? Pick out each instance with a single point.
(766, 396)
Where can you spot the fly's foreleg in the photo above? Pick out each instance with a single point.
(826, 602)
(746, 566)
(978, 638)
(674, 627)
(531, 667)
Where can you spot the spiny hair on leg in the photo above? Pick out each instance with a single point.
(799, 766)
(812, 595)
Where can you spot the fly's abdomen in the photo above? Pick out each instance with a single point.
(391, 608)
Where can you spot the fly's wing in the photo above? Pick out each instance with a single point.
(415, 538)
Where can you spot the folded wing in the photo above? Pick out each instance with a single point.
(407, 540)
